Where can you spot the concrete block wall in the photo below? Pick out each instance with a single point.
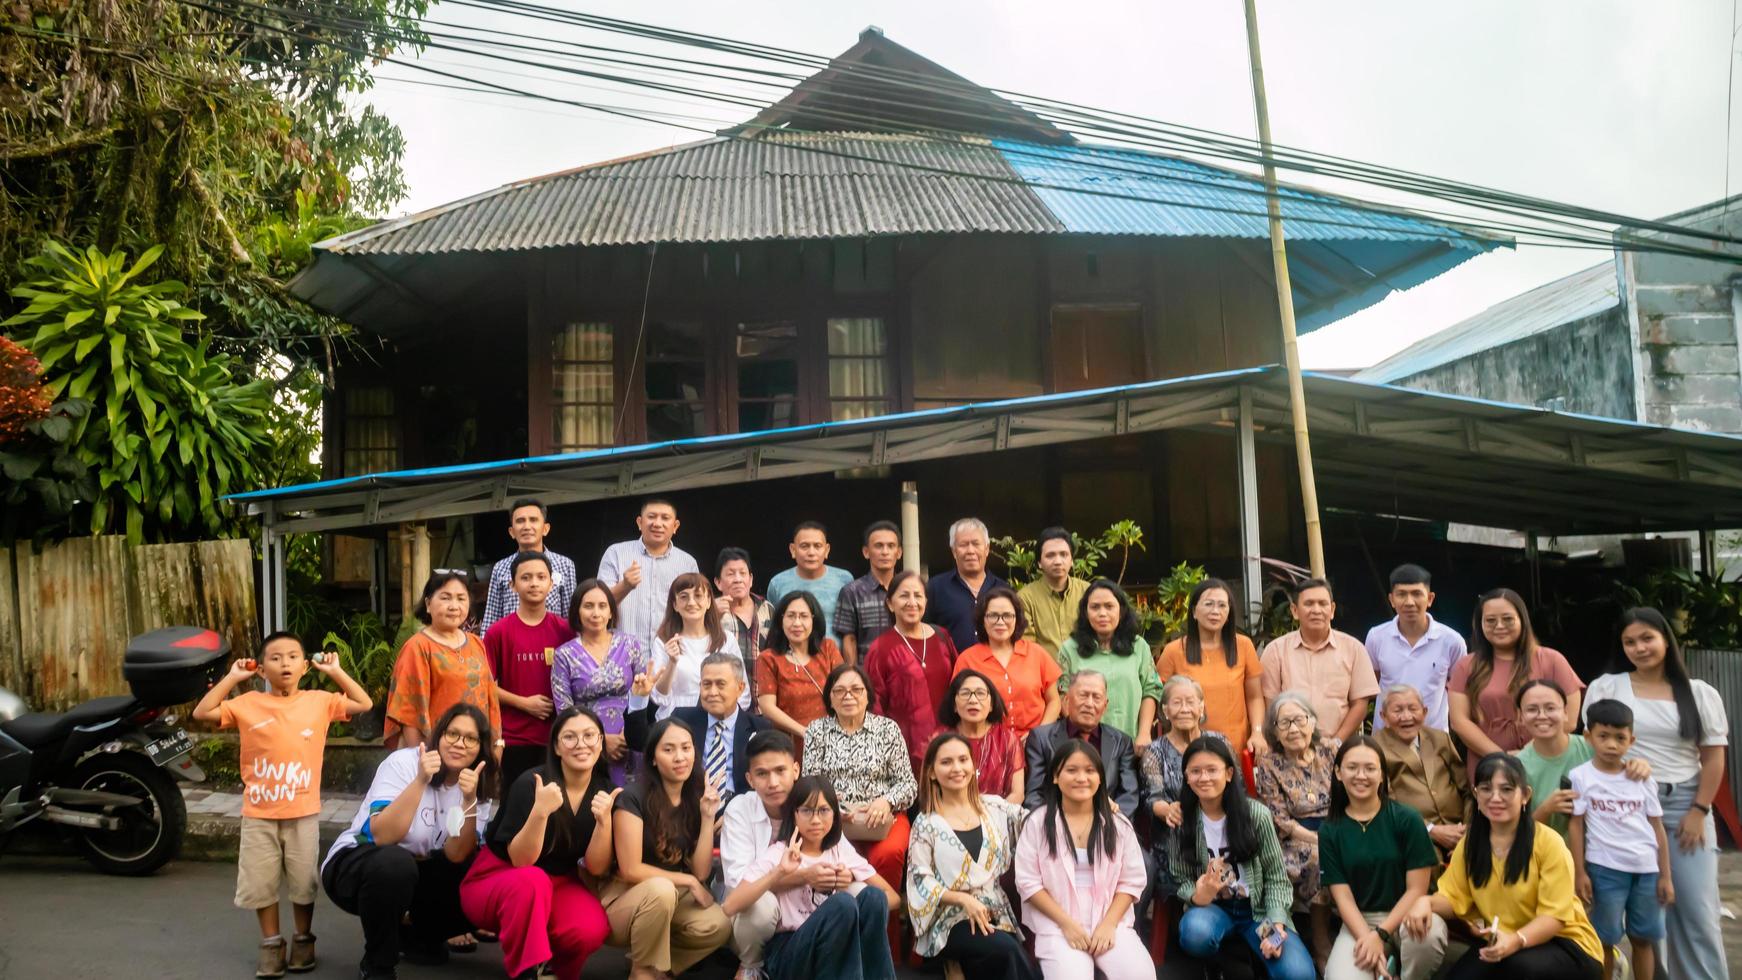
(1690, 365)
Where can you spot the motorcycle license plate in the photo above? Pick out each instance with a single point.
(169, 748)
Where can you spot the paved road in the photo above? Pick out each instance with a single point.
(59, 920)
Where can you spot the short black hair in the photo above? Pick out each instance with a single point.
(728, 555)
(1054, 534)
(655, 502)
(543, 512)
(835, 678)
(1408, 574)
(769, 740)
(811, 526)
(1615, 714)
(875, 526)
(276, 635)
(522, 557)
(1311, 583)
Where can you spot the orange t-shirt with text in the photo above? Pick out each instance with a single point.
(283, 740)
(1224, 686)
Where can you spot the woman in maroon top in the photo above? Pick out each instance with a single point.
(909, 666)
(974, 710)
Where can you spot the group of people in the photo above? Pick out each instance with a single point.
(843, 769)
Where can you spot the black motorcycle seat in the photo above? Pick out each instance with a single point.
(44, 728)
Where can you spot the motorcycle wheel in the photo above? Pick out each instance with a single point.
(151, 832)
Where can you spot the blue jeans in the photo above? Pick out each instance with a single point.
(846, 938)
(1203, 927)
(1694, 938)
(1631, 892)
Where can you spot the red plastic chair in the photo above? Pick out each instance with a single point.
(1246, 767)
(1725, 808)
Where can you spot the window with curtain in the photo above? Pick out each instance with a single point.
(767, 358)
(859, 385)
(371, 431)
(676, 385)
(583, 389)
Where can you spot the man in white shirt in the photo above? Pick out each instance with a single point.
(752, 819)
(640, 572)
(1413, 648)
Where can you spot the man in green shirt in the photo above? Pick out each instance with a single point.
(1051, 601)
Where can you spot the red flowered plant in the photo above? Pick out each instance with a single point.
(23, 399)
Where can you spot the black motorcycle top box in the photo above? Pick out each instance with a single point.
(174, 664)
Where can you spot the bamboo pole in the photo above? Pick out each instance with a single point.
(1303, 452)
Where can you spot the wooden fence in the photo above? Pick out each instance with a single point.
(67, 611)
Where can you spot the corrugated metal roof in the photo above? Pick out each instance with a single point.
(1582, 294)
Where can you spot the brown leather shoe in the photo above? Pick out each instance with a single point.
(271, 959)
(302, 953)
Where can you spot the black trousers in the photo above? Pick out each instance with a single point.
(516, 759)
(1558, 959)
(999, 956)
(380, 884)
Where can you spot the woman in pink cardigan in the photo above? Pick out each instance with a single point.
(1079, 870)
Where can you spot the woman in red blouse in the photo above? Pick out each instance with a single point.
(974, 710)
(909, 666)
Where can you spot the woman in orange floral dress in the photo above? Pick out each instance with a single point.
(439, 666)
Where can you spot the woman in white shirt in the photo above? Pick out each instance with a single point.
(690, 633)
(1679, 726)
(412, 841)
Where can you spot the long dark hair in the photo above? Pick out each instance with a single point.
(1102, 828)
(1482, 652)
(1194, 645)
(1478, 848)
(673, 622)
(1675, 670)
(489, 781)
(1339, 795)
(675, 828)
(777, 639)
(560, 833)
(1242, 827)
(585, 586)
(947, 714)
(808, 788)
(929, 792)
(1124, 632)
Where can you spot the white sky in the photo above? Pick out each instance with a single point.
(1611, 104)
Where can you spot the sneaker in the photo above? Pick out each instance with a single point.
(302, 953)
(271, 959)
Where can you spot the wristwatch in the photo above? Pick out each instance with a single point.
(1705, 808)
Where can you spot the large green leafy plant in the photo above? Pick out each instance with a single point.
(171, 430)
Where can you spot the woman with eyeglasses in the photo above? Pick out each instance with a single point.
(1224, 663)
(412, 840)
(865, 758)
(1482, 689)
(597, 670)
(963, 843)
(1553, 753)
(833, 906)
(1512, 882)
(1294, 781)
(973, 710)
(535, 881)
(1021, 670)
(791, 672)
(1162, 768)
(690, 633)
(440, 666)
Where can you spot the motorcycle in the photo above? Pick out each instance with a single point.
(107, 769)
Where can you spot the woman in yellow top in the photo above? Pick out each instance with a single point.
(1513, 882)
(1224, 663)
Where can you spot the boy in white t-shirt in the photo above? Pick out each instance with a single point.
(1620, 851)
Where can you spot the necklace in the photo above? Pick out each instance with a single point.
(1364, 824)
(924, 642)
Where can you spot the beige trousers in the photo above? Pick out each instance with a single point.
(662, 925)
(1421, 957)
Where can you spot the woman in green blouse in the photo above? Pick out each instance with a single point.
(1105, 640)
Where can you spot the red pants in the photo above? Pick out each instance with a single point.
(539, 916)
(888, 857)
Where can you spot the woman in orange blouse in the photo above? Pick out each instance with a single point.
(1223, 662)
(440, 665)
(790, 674)
(1024, 673)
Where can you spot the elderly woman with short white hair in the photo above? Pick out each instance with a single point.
(1294, 781)
(1162, 767)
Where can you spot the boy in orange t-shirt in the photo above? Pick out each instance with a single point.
(284, 735)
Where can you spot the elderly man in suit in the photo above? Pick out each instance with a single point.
(721, 730)
(1085, 703)
(1422, 766)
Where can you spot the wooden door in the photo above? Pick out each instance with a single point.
(1096, 347)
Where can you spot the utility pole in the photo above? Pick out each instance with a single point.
(1303, 451)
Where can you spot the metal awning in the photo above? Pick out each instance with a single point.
(1377, 449)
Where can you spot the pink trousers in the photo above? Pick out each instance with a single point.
(539, 916)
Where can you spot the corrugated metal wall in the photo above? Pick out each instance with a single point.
(1723, 670)
(67, 611)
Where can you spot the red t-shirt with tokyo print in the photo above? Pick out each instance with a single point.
(520, 657)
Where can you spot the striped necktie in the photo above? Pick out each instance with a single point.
(717, 761)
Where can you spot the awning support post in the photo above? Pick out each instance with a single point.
(1533, 565)
(1708, 551)
(1251, 566)
(910, 525)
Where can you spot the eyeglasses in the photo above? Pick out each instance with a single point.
(569, 740)
(814, 812)
(1292, 722)
(1008, 617)
(850, 692)
(464, 740)
(1212, 604)
(971, 695)
(461, 572)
